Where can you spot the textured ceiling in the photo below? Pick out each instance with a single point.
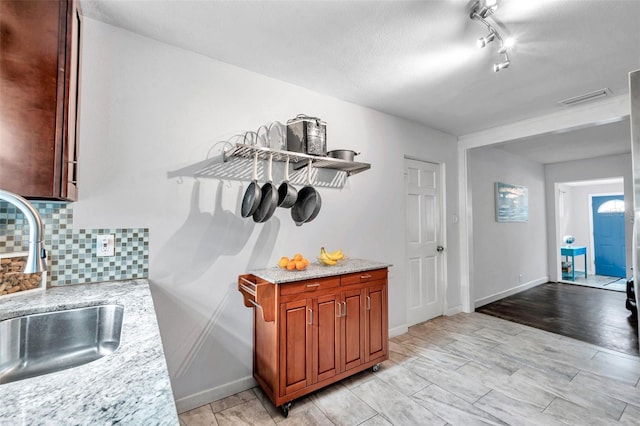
(414, 59)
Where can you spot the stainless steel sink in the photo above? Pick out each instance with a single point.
(38, 344)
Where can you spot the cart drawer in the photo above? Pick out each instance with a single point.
(364, 276)
(309, 285)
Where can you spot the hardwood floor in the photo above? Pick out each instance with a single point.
(466, 369)
(588, 314)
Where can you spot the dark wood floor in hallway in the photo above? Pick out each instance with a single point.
(588, 314)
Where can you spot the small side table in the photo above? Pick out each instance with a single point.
(574, 251)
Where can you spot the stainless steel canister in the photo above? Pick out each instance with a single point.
(307, 135)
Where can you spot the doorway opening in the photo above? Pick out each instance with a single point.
(591, 228)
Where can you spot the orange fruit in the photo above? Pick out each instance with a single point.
(297, 256)
(291, 265)
(284, 261)
(300, 265)
(306, 261)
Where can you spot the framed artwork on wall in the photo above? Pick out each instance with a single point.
(512, 203)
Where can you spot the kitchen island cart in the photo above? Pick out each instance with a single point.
(317, 326)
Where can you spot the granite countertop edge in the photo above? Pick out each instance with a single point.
(129, 386)
(315, 270)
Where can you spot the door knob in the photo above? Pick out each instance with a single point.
(439, 249)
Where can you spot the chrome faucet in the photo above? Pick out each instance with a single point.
(37, 258)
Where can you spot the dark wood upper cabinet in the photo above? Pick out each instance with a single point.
(40, 47)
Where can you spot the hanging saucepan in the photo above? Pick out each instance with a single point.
(269, 200)
(253, 195)
(308, 203)
(287, 193)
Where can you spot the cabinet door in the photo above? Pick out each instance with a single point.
(377, 333)
(295, 346)
(353, 330)
(326, 337)
(40, 49)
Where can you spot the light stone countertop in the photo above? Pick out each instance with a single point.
(317, 270)
(130, 386)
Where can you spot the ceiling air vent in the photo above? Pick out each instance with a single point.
(591, 96)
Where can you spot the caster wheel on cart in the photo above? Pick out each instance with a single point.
(375, 368)
(285, 409)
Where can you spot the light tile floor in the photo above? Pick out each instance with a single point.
(467, 369)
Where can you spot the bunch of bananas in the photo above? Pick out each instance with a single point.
(330, 258)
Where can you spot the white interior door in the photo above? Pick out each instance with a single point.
(423, 203)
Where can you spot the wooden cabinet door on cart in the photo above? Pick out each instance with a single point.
(352, 329)
(376, 322)
(295, 346)
(326, 337)
(39, 79)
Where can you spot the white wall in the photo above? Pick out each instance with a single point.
(507, 257)
(149, 108)
(577, 222)
(573, 171)
(565, 211)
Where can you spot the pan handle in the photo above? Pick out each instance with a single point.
(255, 166)
(309, 172)
(286, 169)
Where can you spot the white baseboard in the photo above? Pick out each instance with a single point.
(509, 292)
(397, 331)
(454, 310)
(206, 396)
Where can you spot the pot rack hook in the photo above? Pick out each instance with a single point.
(286, 169)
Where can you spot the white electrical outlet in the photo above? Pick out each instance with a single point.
(106, 245)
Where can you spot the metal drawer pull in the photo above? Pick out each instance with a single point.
(365, 277)
(345, 309)
(310, 316)
(313, 285)
(368, 303)
(339, 309)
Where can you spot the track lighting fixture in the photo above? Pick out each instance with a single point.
(480, 10)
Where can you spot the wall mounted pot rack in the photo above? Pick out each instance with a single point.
(235, 163)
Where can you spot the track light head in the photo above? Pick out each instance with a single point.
(483, 8)
(501, 65)
(483, 41)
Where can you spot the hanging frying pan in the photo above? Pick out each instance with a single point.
(287, 193)
(253, 195)
(308, 204)
(269, 199)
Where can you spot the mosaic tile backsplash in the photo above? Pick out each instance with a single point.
(71, 252)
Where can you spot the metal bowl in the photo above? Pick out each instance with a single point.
(343, 154)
